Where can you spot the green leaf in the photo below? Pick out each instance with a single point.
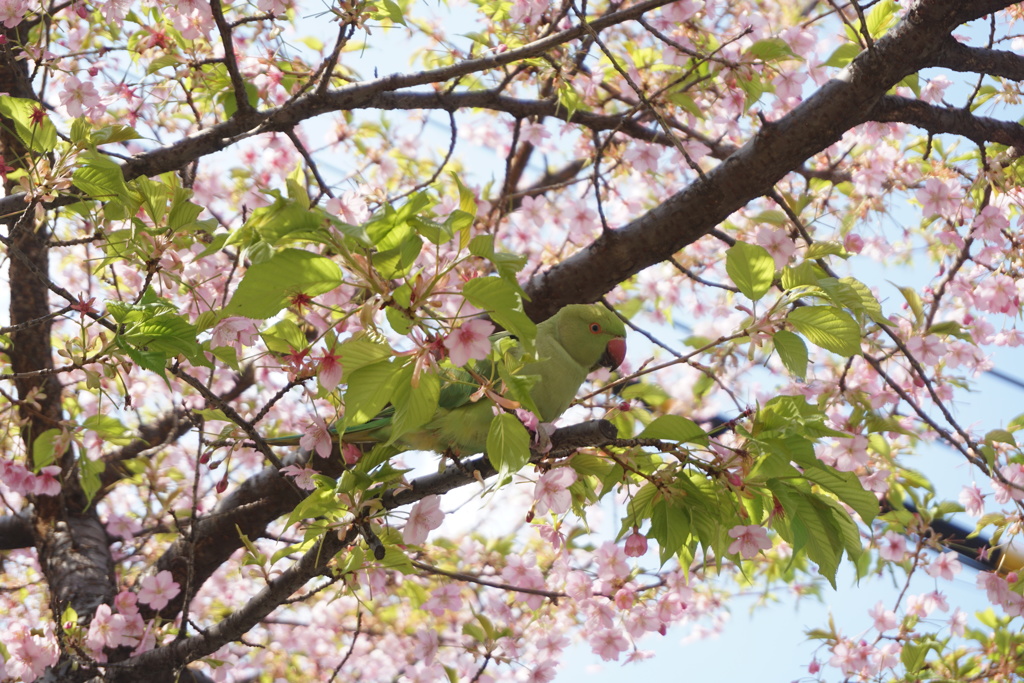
(369, 390)
(109, 428)
(112, 133)
(881, 18)
(670, 527)
(268, 287)
(89, 475)
(415, 403)
(847, 487)
(751, 268)
(913, 300)
(674, 428)
(770, 50)
(812, 527)
(821, 249)
(792, 351)
(100, 177)
(828, 327)
(38, 137)
(44, 448)
(843, 55)
(503, 301)
(508, 445)
(805, 273)
(359, 352)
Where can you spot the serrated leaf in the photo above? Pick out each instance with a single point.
(843, 55)
(501, 299)
(508, 445)
(369, 390)
(100, 177)
(39, 135)
(881, 18)
(415, 403)
(751, 268)
(268, 287)
(674, 428)
(827, 327)
(847, 487)
(770, 50)
(792, 351)
(44, 447)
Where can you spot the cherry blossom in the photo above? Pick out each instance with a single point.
(157, 591)
(317, 437)
(470, 341)
(946, 566)
(425, 516)
(552, 490)
(751, 539)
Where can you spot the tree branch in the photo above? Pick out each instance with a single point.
(955, 121)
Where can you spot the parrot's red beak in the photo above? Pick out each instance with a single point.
(614, 353)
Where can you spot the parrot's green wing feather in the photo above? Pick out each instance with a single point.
(571, 344)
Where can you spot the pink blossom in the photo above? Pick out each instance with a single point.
(303, 476)
(351, 453)
(973, 500)
(608, 644)
(545, 672)
(643, 156)
(278, 7)
(990, 224)
(522, 572)
(939, 197)
(350, 208)
(886, 656)
(16, 476)
(157, 591)
(446, 598)
(885, 619)
(778, 243)
(927, 350)
(946, 566)
(850, 453)
(236, 332)
(80, 97)
(47, 482)
(108, 630)
(850, 657)
(425, 516)
(534, 133)
(552, 490)
(31, 652)
(997, 293)
(957, 623)
(535, 210)
(611, 562)
(470, 341)
(13, 12)
(636, 544)
(329, 370)
(317, 437)
(892, 547)
(750, 540)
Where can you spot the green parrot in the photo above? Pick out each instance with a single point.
(571, 344)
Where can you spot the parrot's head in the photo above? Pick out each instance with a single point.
(593, 335)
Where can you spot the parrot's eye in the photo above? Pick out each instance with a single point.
(595, 327)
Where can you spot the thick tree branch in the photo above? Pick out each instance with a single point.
(956, 56)
(273, 503)
(938, 120)
(778, 148)
(266, 496)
